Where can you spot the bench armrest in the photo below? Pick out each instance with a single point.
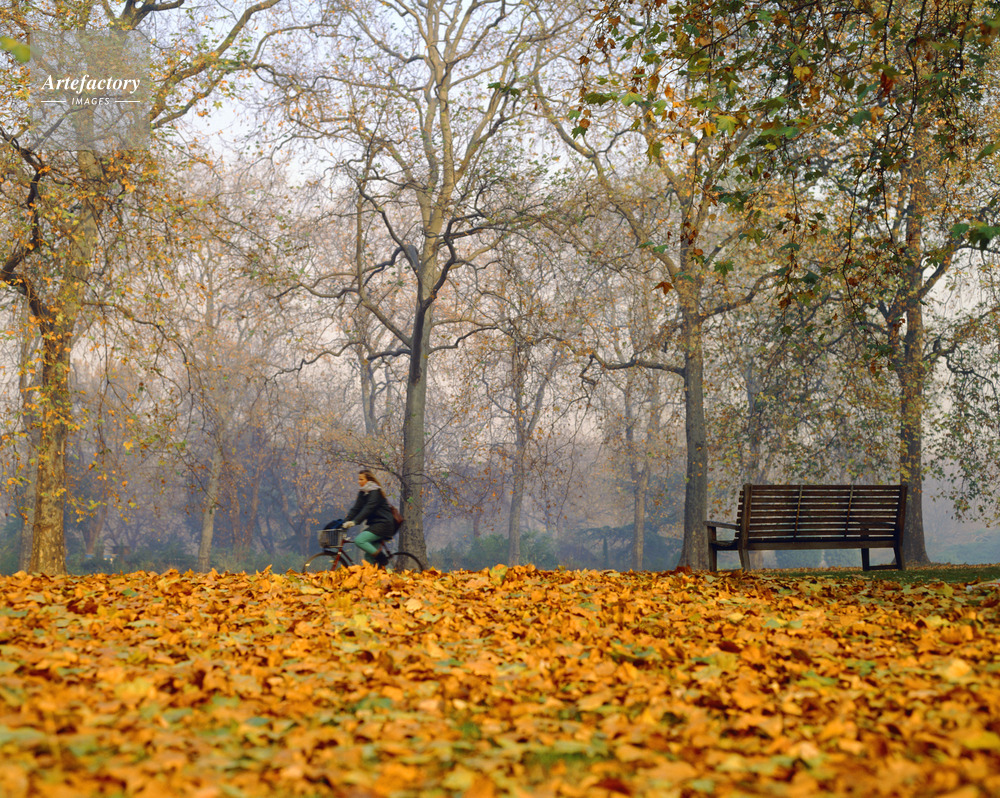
(713, 533)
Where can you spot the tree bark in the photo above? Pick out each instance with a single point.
(27, 498)
(524, 428)
(94, 530)
(27, 386)
(914, 549)
(48, 542)
(412, 495)
(639, 489)
(756, 471)
(514, 521)
(27, 524)
(695, 550)
(640, 475)
(914, 367)
(57, 322)
(913, 379)
(210, 508)
(367, 393)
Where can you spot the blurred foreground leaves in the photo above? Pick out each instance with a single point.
(502, 682)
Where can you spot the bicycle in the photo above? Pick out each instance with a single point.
(334, 556)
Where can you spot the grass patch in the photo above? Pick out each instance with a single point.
(959, 574)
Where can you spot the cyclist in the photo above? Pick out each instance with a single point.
(372, 509)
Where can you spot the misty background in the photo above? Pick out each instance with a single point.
(356, 200)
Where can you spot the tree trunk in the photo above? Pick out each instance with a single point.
(367, 393)
(756, 471)
(244, 523)
(412, 495)
(524, 428)
(211, 506)
(27, 525)
(911, 414)
(516, 500)
(266, 535)
(48, 541)
(914, 368)
(640, 477)
(28, 385)
(93, 530)
(252, 522)
(695, 550)
(299, 531)
(640, 486)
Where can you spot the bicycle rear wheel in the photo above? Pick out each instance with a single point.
(404, 562)
(324, 561)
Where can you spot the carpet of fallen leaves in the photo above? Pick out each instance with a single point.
(505, 682)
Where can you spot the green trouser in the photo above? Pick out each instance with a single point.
(368, 542)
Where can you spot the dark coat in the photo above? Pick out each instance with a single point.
(371, 507)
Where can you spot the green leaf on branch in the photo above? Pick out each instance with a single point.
(988, 150)
(505, 88)
(982, 235)
(860, 117)
(19, 50)
(599, 97)
(727, 124)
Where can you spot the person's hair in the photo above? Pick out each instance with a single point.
(367, 474)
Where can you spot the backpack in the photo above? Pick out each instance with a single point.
(397, 516)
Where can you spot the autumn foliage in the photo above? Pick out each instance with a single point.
(501, 682)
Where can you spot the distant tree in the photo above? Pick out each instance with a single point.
(422, 102)
(63, 208)
(897, 87)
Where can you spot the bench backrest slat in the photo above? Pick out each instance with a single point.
(811, 511)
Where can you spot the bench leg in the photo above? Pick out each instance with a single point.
(866, 564)
(898, 550)
(744, 560)
(713, 555)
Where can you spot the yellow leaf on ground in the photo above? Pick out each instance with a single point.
(981, 740)
(955, 670)
(595, 700)
(672, 771)
(630, 753)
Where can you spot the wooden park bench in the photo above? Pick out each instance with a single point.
(815, 517)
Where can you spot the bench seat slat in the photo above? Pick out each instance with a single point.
(774, 544)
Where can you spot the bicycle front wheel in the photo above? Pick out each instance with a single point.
(324, 561)
(404, 562)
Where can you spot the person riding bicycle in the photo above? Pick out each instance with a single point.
(372, 509)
